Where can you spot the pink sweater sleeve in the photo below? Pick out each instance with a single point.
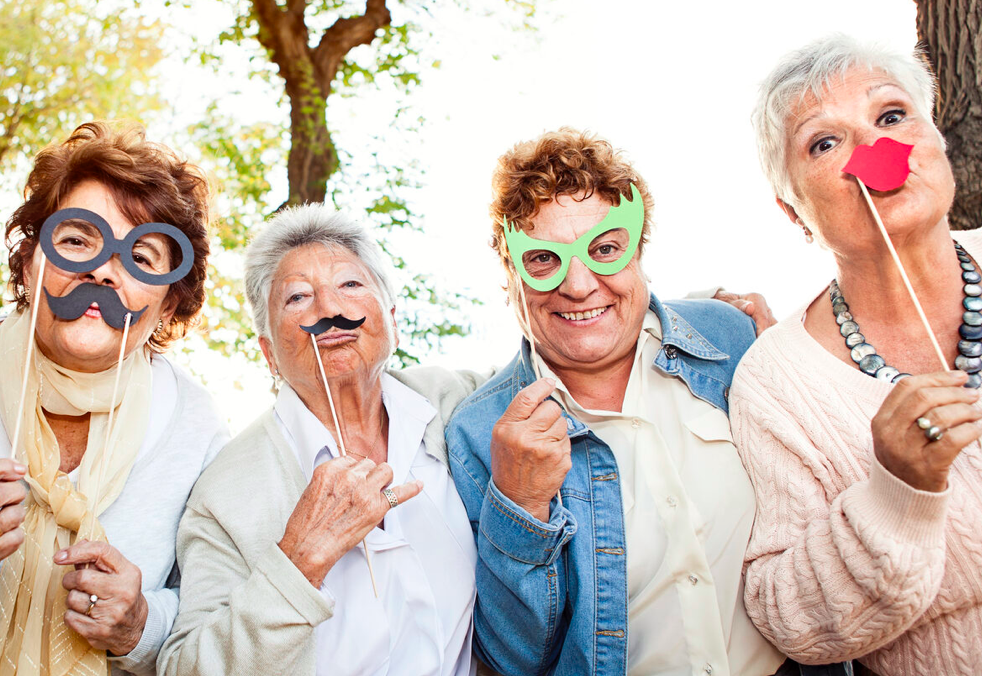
(830, 576)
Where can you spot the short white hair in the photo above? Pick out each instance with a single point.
(812, 69)
(300, 226)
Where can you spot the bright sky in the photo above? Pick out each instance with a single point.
(672, 83)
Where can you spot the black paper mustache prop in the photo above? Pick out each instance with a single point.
(73, 305)
(328, 323)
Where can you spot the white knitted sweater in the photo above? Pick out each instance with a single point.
(845, 560)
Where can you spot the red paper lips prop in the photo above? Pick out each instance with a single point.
(881, 166)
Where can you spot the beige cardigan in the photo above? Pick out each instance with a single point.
(245, 608)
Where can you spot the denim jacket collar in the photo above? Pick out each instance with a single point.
(677, 334)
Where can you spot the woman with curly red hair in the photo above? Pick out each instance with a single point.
(108, 255)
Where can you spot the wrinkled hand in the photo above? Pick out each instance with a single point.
(342, 503)
(901, 446)
(116, 621)
(752, 304)
(530, 450)
(12, 494)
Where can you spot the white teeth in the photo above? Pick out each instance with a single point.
(577, 316)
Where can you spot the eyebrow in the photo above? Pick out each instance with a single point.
(869, 94)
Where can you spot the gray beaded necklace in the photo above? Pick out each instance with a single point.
(969, 357)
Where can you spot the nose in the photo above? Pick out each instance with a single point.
(109, 273)
(329, 303)
(580, 281)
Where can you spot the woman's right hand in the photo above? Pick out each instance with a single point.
(340, 506)
(12, 494)
(903, 448)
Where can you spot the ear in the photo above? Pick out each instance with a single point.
(267, 347)
(395, 330)
(788, 210)
(170, 307)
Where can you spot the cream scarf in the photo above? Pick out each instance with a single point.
(33, 635)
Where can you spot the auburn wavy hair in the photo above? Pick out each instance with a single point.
(563, 162)
(149, 183)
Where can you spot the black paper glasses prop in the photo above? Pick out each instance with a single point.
(321, 326)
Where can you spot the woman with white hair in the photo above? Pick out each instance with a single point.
(275, 579)
(865, 459)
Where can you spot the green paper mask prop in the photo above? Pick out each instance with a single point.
(606, 248)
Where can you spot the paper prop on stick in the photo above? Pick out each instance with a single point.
(606, 249)
(79, 240)
(320, 327)
(328, 323)
(884, 167)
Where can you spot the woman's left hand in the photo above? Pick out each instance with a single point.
(116, 621)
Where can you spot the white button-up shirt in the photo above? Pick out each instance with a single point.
(688, 511)
(423, 560)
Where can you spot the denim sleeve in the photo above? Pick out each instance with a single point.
(519, 622)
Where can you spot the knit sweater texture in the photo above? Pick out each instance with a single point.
(846, 561)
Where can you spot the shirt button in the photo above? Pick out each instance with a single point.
(708, 669)
(693, 580)
(672, 502)
(635, 423)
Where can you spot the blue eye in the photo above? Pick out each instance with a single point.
(822, 145)
(351, 284)
(295, 298)
(892, 117)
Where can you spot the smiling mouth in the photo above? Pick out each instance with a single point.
(580, 316)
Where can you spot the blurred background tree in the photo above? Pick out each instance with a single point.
(951, 32)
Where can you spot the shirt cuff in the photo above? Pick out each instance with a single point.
(704, 294)
(518, 534)
(904, 512)
(306, 599)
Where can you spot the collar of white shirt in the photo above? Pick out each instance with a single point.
(409, 414)
(650, 330)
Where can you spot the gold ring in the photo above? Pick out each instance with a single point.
(93, 599)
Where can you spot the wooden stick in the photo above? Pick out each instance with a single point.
(344, 453)
(27, 363)
(107, 449)
(903, 275)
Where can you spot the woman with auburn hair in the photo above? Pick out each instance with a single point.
(108, 255)
(864, 456)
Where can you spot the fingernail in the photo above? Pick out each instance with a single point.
(19, 468)
(419, 484)
(552, 383)
(61, 556)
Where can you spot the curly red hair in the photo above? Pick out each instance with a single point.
(562, 162)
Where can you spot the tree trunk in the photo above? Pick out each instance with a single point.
(951, 31)
(308, 73)
(312, 158)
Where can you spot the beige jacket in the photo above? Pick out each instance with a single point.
(245, 608)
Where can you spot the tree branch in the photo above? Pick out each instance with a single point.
(344, 35)
(283, 33)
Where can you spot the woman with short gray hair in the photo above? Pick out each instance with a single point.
(865, 458)
(274, 542)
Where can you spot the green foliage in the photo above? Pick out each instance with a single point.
(65, 62)
(374, 179)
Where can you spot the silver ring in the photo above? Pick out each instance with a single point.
(934, 433)
(391, 497)
(93, 599)
(924, 423)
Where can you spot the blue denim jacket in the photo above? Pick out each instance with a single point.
(551, 599)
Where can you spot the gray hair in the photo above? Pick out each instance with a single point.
(299, 226)
(811, 69)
